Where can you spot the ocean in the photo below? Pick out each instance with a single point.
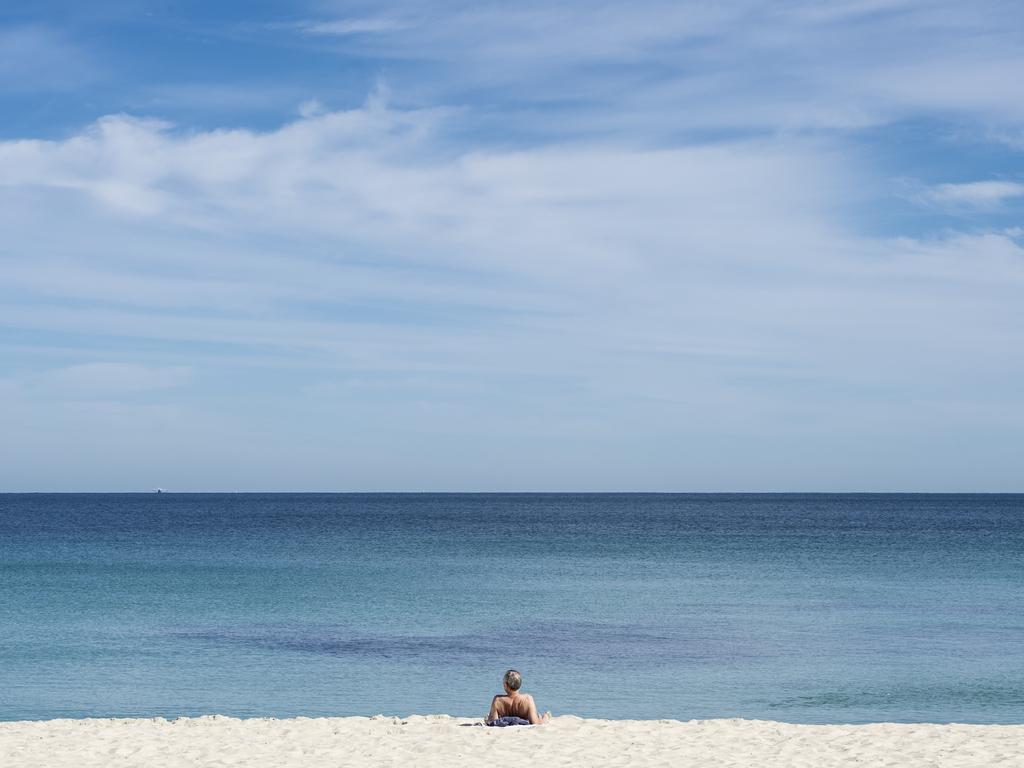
(800, 608)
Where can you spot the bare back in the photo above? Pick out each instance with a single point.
(519, 705)
(516, 705)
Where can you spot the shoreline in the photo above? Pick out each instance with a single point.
(442, 740)
(464, 720)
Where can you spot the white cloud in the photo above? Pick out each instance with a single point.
(231, 236)
(976, 193)
(600, 295)
(378, 178)
(311, 108)
(345, 27)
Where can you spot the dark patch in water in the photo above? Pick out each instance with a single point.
(592, 640)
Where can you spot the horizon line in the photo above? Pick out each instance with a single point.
(165, 491)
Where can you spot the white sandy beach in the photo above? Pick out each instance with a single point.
(446, 741)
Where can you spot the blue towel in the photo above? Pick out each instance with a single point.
(502, 722)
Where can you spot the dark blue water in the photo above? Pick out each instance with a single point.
(804, 608)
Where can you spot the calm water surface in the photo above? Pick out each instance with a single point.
(803, 608)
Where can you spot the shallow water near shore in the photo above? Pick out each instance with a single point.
(799, 608)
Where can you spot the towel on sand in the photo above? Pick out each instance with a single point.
(502, 722)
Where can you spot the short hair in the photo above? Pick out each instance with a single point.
(513, 679)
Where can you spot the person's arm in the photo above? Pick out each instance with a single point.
(493, 714)
(534, 718)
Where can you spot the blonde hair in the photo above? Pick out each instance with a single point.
(513, 680)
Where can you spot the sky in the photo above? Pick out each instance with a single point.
(746, 245)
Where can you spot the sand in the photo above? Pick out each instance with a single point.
(446, 741)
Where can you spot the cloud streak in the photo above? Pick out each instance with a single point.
(355, 26)
(742, 64)
(976, 193)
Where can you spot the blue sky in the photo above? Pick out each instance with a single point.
(745, 245)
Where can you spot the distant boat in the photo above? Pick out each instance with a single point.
(159, 490)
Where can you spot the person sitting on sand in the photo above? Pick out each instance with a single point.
(514, 704)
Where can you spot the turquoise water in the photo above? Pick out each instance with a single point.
(803, 608)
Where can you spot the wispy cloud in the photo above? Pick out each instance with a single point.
(757, 65)
(357, 241)
(975, 193)
(354, 26)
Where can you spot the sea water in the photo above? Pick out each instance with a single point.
(801, 608)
